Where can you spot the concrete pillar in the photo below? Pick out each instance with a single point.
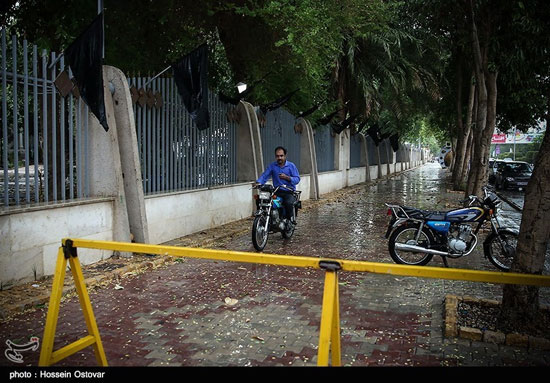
(364, 161)
(308, 157)
(379, 161)
(250, 163)
(389, 157)
(341, 155)
(129, 154)
(105, 168)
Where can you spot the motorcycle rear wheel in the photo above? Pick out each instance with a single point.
(501, 257)
(259, 233)
(406, 235)
(288, 231)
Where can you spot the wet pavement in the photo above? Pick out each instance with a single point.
(219, 313)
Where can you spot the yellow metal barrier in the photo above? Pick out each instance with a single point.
(329, 337)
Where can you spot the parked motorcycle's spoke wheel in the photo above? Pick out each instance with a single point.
(259, 233)
(502, 249)
(407, 236)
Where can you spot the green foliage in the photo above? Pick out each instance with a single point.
(395, 62)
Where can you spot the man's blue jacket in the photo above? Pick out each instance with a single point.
(273, 171)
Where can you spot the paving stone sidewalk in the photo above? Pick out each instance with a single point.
(194, 312)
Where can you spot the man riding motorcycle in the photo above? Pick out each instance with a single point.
(285, 174)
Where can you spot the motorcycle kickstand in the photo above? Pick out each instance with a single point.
(445, 261)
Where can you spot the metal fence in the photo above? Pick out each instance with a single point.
(355, 149)
(324, 148)
(278, 130)
(385, 150)
(174, 154)
(44, 139)
(371, 151)
(401, 154)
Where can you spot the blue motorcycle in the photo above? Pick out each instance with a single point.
(269, 216)
(416, 235)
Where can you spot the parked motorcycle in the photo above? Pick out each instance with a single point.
(269, 218)
(415, 235)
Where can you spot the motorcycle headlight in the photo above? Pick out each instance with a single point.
(265, 195)
(509, 179)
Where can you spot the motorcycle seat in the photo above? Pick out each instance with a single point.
(414, 212)
(436, 216)
(424, 214)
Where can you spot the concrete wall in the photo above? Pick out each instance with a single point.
(178, 214)
(31, 237)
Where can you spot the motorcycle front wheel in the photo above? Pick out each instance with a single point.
(259, 233)
(500, 249)
(406, 235)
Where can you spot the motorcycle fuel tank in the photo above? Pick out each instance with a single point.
(439, 226)
(464, 215)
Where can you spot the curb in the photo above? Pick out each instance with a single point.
(91, 282)
(453, 330)
(513, 204)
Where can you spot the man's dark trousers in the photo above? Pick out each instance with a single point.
(288, 202)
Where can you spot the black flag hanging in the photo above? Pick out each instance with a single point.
(277, 103)
(374, 133)
(327, 119)
(338, 128)
(191, 77)
(394, 141)
(311, 110)
(84, 56)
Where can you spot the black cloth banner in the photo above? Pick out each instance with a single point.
(394, 141)
(374, 133)
(277, 103)
(338, 128)
(84, 57)
(311, 110)
(328, 119)
(191, 77)
(235, 100)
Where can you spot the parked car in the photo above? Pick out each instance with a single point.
(512, 175)
(492, 169)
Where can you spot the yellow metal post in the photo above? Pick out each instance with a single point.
(87, 310)
(53, 310)
(47, 355)
(335, 339)
(329, 337)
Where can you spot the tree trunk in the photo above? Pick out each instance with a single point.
(463, 147)
(520, 304)
(472, 116)
(486, 92)
(458, 143)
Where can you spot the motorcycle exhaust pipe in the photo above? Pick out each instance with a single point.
(418, 249)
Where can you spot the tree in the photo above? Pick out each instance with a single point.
(520, 304)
